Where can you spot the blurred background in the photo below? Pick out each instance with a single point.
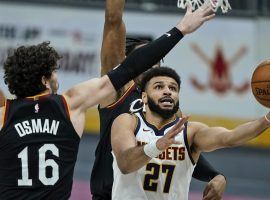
(215, 63)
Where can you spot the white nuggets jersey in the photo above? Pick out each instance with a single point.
(167, 176)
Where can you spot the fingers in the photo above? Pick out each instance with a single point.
(178, 127)
(206, 190)
(207, 18)
(209, 195)
(189, 9)
(208, 10)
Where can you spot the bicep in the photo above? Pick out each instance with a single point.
(122, 134)
(210, 138)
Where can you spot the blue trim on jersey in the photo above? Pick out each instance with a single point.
(187, 146)
(159, 132)
(138, 126)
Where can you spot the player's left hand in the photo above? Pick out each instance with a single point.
(215, 188)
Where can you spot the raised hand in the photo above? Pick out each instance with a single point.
(193, 20)
(169, 138)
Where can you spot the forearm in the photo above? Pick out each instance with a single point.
(114, 36)
(114, 11)
(144, 58)
(132, 159)
(246, 132)
(204, 171)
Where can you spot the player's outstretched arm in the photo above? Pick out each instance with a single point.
(94, 91)
(212, 138)
(131, 157)
(114, 36)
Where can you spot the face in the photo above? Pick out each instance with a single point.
(52, 83)
(162, 96)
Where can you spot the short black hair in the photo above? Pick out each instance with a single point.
(159, 71)
(25, 67)
(132, 43)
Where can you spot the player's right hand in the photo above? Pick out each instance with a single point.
(194, 19)
(169, 138)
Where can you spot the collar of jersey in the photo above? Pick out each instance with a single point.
(159, 132)
(39, 96)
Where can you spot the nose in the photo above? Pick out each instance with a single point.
(167, 91)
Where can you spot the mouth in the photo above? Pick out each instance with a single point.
(167, 102)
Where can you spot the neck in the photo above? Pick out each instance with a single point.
(156, 120)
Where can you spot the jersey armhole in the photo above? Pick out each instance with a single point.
(67, 109)
(138, 124)
(187, 145)
(122, 98)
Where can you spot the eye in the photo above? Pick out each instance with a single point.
(173, 88)
(158, 87)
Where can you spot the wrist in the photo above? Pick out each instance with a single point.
(175, 31)
(221, 177)
(151, 149)
(182, 29)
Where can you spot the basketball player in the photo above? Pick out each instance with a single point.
(155, 151)
(40, 131)
(128, 99)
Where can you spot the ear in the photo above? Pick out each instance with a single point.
(144, 98)
(45, 82)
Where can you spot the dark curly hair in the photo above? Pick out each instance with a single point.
(159, 71)
(24, 69)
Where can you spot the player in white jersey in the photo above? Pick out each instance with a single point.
(166, 177)
(154, 152)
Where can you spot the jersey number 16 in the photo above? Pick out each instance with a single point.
(43, 164)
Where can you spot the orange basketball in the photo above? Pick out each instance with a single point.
(260, 83)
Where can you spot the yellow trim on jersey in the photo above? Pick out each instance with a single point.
(123, 96)
(38, 95)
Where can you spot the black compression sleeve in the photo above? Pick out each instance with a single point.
(144, 58)
(204, 171)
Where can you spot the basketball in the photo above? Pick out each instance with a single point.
(260, 83)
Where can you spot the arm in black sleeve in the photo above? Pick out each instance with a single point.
(144, 58)
(204, 171)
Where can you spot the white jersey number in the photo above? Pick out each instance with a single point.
(151, 179)
(43, 164)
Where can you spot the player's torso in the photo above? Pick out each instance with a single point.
(38, 149)
(166, 177)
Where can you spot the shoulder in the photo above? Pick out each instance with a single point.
(126, 120)
(126, 117)
(195, 127)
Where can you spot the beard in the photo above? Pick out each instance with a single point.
(164, 113)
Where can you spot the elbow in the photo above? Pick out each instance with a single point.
(124, 169)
